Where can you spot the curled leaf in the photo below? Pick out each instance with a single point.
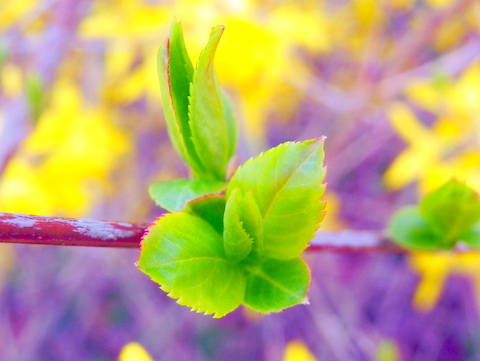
(211, 120)
(199, 116)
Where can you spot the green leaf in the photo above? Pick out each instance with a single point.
(287, 185)
(175, 73)
(472, 236)
(236, 240)
(210, 208)
(231, 123)
(184, 254)
(409, 229)
(451, 210)
(173, 195)
(277, 284)
(211, 121)
(253, 224)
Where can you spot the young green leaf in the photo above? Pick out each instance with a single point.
(184, 254)
(173, 195)
(175, 73)
(236, 240)
(409, 229)
(277, 284)
(231, 123)
(287, 185)
(211, 120)
(210, 208)
(199, 116)
(451, 210)
(253, 224)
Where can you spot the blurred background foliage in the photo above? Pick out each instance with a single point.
(394, 85)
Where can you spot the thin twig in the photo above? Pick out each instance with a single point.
(41, 230)
(55, 231)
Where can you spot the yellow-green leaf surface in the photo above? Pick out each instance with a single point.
(185, 255)
(173, 195)
(451, 210)
(175, 73)
(211, 124)
(236, 240)
(277, 284)
(410, 230)
(210, 208)
(287, 185)
(253, 224)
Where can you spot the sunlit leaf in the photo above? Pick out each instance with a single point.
(236, 240)
(173, 195)
(211, 125)
(287, 185)
(210, 208)
(175, 73)
(253, 224)
(185, 255)
(277, 284)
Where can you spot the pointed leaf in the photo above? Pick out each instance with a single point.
(451, 210)
(185, 255)
(277, 284)
(210, 208)
(237, 242)
(253, 224)
(210, 123)
(175, 73)
(286, 183)
(173, 195)
(231, 124)
(410, 230)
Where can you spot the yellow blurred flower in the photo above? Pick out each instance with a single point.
(13, 11)
(63, 167)
(387, 351)
(435, 268)
(297, 351)
(11, 80)
(257, 57)
(451, 146)
(133, 351)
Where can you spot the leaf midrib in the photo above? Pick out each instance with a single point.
(287, 180)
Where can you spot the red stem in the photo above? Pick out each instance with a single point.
(41, 230)
(29, 229)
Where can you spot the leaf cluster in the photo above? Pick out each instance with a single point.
(228, 241)
(443, 218)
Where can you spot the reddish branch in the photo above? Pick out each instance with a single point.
(30, 229)
(23, 228)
